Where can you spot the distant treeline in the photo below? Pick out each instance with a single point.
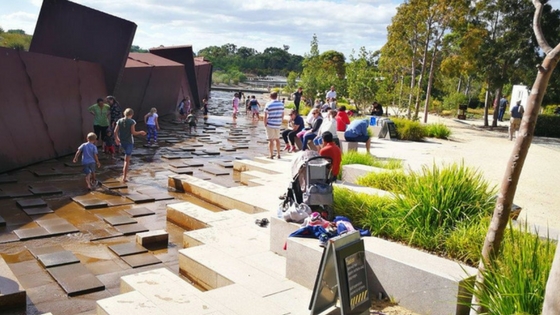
(16, 39)
(272, 61)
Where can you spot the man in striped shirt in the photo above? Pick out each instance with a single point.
(273, 115)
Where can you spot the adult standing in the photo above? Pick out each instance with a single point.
(342, 119)
(331, 97)
(357, 131)
(116, 111)
(101, 113)
(297, 97)
(331, 150)
(273, 115)
(515, 120)
(502, 108)
(289, 135)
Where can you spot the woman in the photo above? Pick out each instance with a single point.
(342, 119)
(329, 124)
(116, 111)
(311, 134)
(289, 135)
(101, 113)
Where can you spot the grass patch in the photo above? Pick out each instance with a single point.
(353, 157)
(388, 181)
(439, 131)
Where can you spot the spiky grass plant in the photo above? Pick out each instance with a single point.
(438, 130)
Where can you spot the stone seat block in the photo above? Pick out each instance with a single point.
(154, 238)
(351, 172)
(248, 165)
(279, 232)
(346, 146)
(12, 293)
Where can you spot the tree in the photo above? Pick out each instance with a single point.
(362, 76)
(517, 158)
(311, 71)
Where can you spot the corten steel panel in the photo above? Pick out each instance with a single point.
(145, 86)
(183, 55)
(203, 78)
(44, 106)
(69, 30)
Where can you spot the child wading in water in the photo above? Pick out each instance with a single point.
(110, 143)
(88, 151)
(205, 109)
(235, 103)
(151, 120)
(191, 120)
(124, 132)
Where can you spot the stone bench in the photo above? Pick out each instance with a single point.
(153, 239)
(12, 294)
(346, 146)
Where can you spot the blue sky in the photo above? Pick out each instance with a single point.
(341, 25)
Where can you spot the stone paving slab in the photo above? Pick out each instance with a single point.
(36, 251)
(130, 229)
(228, 149)
(102, 234)
(18, 192)
(2, 221)
(241, 147)
(32, 202)
(214, 171)
(114, 185)
(59, 258)
(195, 163)
(184, 170)
(30, 233)
(211, 152)
(90, 203)
(7, 179)
(139, 212)
(126, 249)
(178, 164)
(113, 201)
(37, 210)
(60, 229)
(199, 153)
(119, 220)
(140, 198)
(161, 196)
(75, 279)
(47, 172)
(128, 303)
(140, 260)
(44, 190)
(188, 149)
(224, 164)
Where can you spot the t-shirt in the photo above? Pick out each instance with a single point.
(254, 102)
(235, 102)
(125, 134)
(356, 128)
(275, 113)
(331, 150)
(116, 113)
(297, 96)
(517, 111)
(100, 114)
(330, 126)
(331, 94)
(299, 122)
(342, 121)
(191, 118)
(152, 119)
(89, 151)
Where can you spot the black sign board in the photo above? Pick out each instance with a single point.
(342, 276)
(388, 127)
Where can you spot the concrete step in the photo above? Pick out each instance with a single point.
(12, 293)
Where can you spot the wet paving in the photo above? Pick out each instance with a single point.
(69, 246)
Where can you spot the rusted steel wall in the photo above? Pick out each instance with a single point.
(69, 30)
(203, 71)
(150, 81)
(184, 55)
(44, 106)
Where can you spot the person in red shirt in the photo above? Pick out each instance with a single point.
(342, 119)
(331, 150)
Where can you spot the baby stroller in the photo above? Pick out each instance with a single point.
(311, 185)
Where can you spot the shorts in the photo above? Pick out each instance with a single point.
(357, 139)
(255, 109)
(89, 168)
(127, 148)
(109, 149)
(192, 124)
(514, 123)
(100, 131)
(272, 133)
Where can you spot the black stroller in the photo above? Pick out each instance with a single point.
(311, 184)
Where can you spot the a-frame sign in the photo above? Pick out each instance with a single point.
(341, 282)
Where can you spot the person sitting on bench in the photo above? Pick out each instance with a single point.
(331, 150)
(357, 131)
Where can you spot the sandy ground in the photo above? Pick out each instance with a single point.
(489, 151)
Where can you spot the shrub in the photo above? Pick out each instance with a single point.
(515, 281)
(439, 131)
(465, 241)
(409, 130)
(290, 105)
(547, 126)
(453, 100)
(354, 157)
(389, 181)
(304, 110)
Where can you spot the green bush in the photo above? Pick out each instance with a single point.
(547, 126)
(409, 130)
(354, 157)
(304, 110)
(388, 181)
(453, 100)
(549, 109)
(290, 105)
(465, 241)
(515, 281)
(439, 131)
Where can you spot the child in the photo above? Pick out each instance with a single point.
(181, 110)
(255, 106)
(205, 109)
(235, 103)
(151, 120)
(191, 120)
(110, 143)
(124, 132)
(88, 151)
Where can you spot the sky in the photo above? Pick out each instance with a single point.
(341, 25)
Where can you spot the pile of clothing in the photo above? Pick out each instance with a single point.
(315, 226)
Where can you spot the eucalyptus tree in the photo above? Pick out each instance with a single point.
(362, 77)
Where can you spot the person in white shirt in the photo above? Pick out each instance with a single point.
(331, 97)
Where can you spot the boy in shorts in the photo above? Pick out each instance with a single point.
(191, 120)
(110, 143)
(88, 151)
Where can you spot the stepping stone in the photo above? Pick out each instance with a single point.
(140, 260)
(60, 229)
(2, 221)
(187, 149)
(3, 195)
(36, 251)
(194, 163)
(195, 145)
(211, 152)
(114, 201)
(47, 172)
(102, 234)
(162, 196)
(129, 229)
(198, 153)
(7, 179)
(30, 233)
(8, 238)
(37, 210)
(139, 198)
(241, 147)
(70, 164)
(228, 149)
(224, 164)
(173, 141)
(178, 165)
(127, 249)
(119, 220)
(209, 128)
(214, 171)
(209, 131)
(262, 142)
(139, 212)
(29, 203)
(18, 193)
(75, 279)
(114, 185)
(182, 171)
(91, 203)
(45, 190)
(171, 156)
(59, 258)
